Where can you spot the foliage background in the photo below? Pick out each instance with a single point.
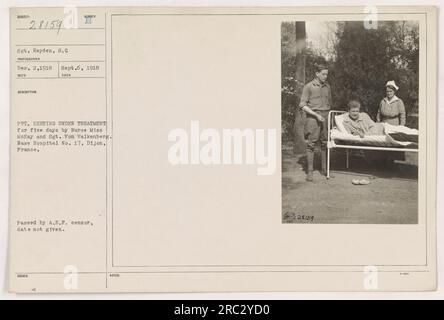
(360, 63)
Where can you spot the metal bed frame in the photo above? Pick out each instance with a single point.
(331, 144)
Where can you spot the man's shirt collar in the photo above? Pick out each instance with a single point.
(316, 82)
(395, 98)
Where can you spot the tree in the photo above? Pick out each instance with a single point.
(297, 68)
(298, 130)
(367, 58)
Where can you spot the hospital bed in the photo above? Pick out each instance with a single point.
(338, 137)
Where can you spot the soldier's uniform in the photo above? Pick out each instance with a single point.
(316, 96)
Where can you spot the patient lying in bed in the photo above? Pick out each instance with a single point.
(359, 123)
(358, 128)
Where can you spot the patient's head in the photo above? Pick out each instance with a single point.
(354, 107)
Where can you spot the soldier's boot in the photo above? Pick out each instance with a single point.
(310, 158)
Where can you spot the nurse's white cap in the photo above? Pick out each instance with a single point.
(392, 84)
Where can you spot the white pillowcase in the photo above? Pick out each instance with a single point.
(339, 119)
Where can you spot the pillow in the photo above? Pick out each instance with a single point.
(339, 119)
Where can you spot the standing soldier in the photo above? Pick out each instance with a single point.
(316, 102)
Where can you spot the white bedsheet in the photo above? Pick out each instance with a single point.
(373, 141)
(340, 133)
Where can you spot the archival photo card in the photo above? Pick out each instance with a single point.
(222, 149)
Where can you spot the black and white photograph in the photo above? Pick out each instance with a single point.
(350, 122)
(222, 150)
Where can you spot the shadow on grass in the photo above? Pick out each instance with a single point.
(359, 164)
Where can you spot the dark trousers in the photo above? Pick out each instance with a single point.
(316, 132)
(317, 135)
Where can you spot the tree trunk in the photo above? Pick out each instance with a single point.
(299, 139)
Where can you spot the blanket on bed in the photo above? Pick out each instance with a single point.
(392, 136)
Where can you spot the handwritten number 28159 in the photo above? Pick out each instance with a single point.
(46, 24)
